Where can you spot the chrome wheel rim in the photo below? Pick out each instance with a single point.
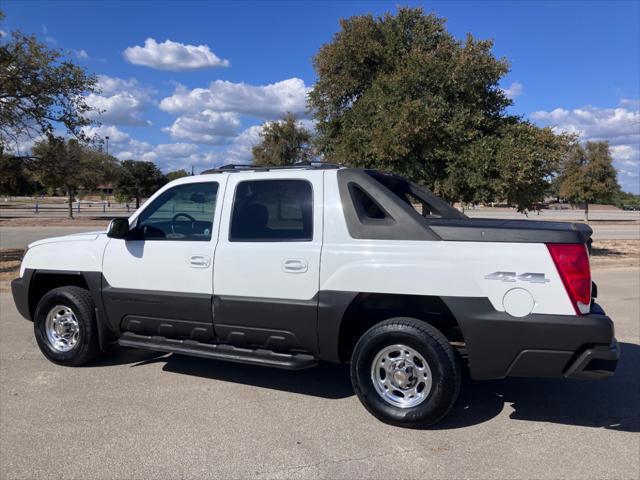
(62, 328)
(401, 376)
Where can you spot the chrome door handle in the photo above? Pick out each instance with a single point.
(294, 265)
(199, 261)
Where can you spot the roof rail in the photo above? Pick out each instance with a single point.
(265, 168)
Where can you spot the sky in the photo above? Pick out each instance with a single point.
(188, 84)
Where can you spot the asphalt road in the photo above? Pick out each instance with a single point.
(20, 237)
(567, 215)
(134, 414)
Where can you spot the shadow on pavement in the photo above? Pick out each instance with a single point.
(326, 380)
(613, 403)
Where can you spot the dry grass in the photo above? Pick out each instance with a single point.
(98, 222)
(10, 259)
(615, 253)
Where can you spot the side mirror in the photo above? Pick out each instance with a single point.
(118, 228)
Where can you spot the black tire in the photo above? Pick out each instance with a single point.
(80, 302)
(438, 353)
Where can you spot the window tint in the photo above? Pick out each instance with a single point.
(366, 207)
(272, 211)
(184, 212)
(422, 201)
(419, 205)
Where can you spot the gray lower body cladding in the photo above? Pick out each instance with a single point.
(498, 345)
(537, 345)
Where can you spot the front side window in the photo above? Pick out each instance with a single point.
(184, 212)
(272, 211)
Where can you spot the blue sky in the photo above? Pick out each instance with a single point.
(189, 83)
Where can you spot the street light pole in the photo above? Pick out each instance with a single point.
(106, 137)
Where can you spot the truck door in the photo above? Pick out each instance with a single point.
(159, 282)
(267, 263)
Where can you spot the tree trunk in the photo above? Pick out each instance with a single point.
(586, 212)
(70, 201)
(137, 202)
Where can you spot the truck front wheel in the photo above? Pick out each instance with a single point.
(65, 327)
(405, 373)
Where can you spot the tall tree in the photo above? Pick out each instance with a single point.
(68, 165)
(174, 175)
(283, 142)
(40, 90)
(15, 178)
(138, 179)
(588, 175)
(400, 93)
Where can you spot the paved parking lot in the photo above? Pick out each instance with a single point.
(136, 414)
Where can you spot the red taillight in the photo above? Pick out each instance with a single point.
(572, 262)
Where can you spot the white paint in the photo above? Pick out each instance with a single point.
(334, 260)
(255, 269)
(164, 265)
(518, 302)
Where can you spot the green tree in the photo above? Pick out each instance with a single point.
(283, 142)
(400, 93)
(171, 176)
(588, 175)
(68, 165)
(138, 179)
(526, 158)
(40, 90)
(15, 178)
(627, 201)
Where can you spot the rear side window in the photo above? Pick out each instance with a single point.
(272, 211)
(366, 207)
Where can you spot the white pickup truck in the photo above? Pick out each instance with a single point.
(285, 267)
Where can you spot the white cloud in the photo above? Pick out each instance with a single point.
(3, 33)
(175, 56)
(264, 102)
(240, 150)
(48, 38)
(619, 126)
(81, 54)
(516, 89)
(115, 135)
(175, 150)
(630, 103)
(208, 126)
(124, 147)
(135, 150)
(122, 102)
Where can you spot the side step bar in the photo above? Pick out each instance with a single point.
(229, 353)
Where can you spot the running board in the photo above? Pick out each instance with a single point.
(229, 353)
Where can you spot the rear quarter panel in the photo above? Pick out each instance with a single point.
(437, 268)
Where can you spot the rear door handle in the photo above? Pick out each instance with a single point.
(294, 265)
(199, 261)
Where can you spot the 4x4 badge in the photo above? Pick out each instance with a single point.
(512, 277)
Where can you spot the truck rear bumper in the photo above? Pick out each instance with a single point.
(537, 345)
(595, 363)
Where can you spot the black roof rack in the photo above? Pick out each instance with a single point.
(259, 168)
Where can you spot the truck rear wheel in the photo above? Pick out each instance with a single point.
(65, 326)
(405, 373)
